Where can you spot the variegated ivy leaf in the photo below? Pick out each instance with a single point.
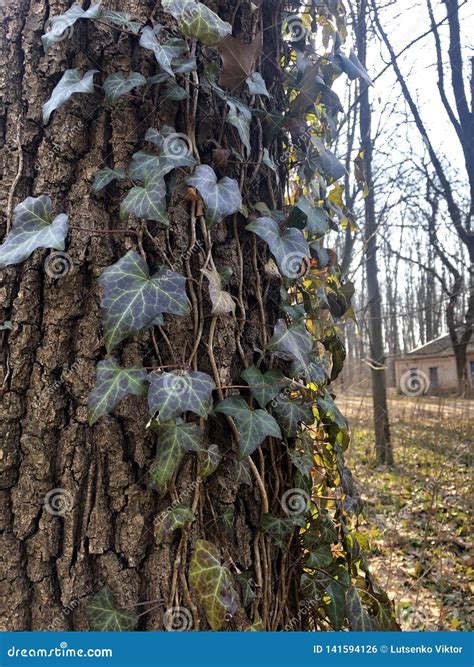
(177, 517)
(58, 26)
(174, 439)
(174, 148)
(209, 459)
(103, 614)
(33, 228)
(71, 82)
(222, 302)
(171, 394)
(253, 425)
(120, 19)
(197, 20)
(213, 584)
(132, 299)
(291, 412)
(112, 384)
(264, 386)
(147, 201)
(165, 53)
(221, 198)
(291, 343)
(117, 85)
(105, 176)
(289, 246)
(303, 214)
(256, 85)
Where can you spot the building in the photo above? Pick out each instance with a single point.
(431, 368)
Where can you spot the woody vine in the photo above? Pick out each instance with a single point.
(282, 197)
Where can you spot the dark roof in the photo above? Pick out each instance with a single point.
(439, 347)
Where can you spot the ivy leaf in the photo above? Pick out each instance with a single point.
(221, 198)
(112, 384)
(358, 617)
(209, 459)
(327, 161)
(173, 393)
(175, 92)
(289, 247)
(256, 85)
(329, 409)
(117, 85)
(121, 19)
(278, 529)
(59, 25)
(174, 439)
(105, 176)
(71, 82)
(197, 20)
(213, 584)
(267, 160)
(132, 299)
(253, 425)
(33, 228)
(302, 455)
(240, 117)
(291, 343)
(319, 557)
(291, 412)
(264, 387)
(303, 214)
(164, 53)
(352, 67)
(336, 605)
(313, 372)
(103, 615)
(173, 146)
(222, 302)
(177, 517)
(148, 202)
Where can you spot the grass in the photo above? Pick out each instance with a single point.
(417, 514)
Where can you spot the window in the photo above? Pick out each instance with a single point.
(434, 382)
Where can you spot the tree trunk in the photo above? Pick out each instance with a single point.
(383, 446)
(108, 533)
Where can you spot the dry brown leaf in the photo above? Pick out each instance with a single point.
(238, 60)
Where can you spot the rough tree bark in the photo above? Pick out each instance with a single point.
(50, 353)
(383, 447)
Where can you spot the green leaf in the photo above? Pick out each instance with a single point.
(359, 619)
(289, 246)
(197, 20)
(209, 459)
(117, 85)
(278, 529)
(112, 384)
(71, 82)
(247, 587)
(267, 160)
(303, 214)
(221, 198)
(174, 439)
(173, 393)
(33, 228)
(329, 409)
(164, 53)
(290, 412)
(132, 299)
(178, 517)
(253, 425)
(175, 92)
(352, 66)
(302, 455)
(264, 386)
(148, 202)
(319, 557)
(336, 605)
(105, 176)
(256, 85)
(222, 302)
(103, 615)
(58, 26)
(291, 343)
(239, 116)
(213, 584)
(120, 19)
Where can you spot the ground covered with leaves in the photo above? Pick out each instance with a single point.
(416, 518)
